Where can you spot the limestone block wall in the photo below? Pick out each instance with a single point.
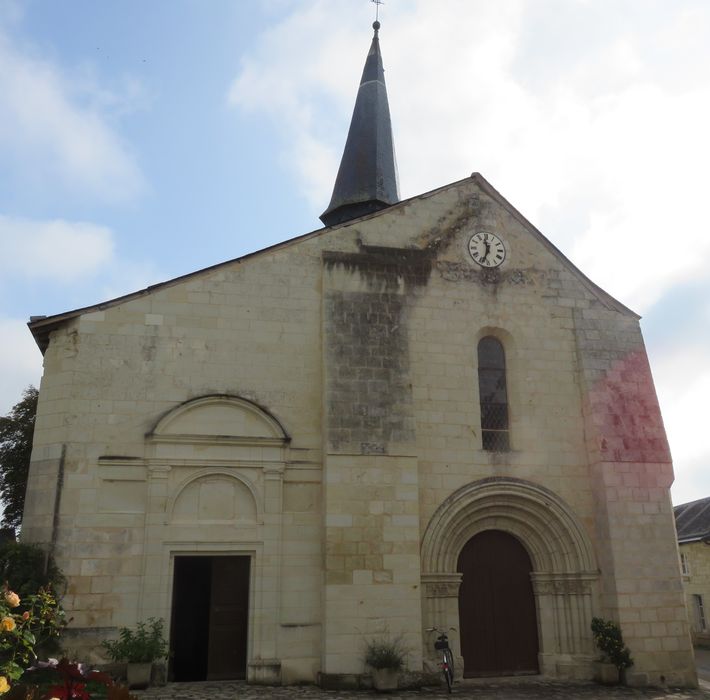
(632, 473)
(357, 348)
(371, 489)
(110, 375)
(528, 305)
(372, 571)
(696, 582)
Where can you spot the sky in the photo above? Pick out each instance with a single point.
(143, 140)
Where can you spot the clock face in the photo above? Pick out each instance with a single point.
(486, 249)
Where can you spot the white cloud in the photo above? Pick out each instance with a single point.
(683, 385)
(64, 251)
(20, 360)
(54, 133)
(602, 144)
(129, 276)
(590, 117)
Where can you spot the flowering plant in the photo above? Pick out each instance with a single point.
(607, 637)
(25, 625)
(66, 680)
(74, 680)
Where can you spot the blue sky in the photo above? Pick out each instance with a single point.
(143, 140)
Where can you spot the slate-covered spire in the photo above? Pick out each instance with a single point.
(367, 178)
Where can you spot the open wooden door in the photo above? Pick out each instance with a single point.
(210, 618)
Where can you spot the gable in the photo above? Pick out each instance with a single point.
(433, 223)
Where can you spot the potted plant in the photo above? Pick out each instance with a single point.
(385, 657)
(615, 655)
(139, 648)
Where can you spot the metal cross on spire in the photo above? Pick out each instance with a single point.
(377, 10)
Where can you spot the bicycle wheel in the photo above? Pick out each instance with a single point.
(448, 668)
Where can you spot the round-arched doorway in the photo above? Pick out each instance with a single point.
(560, 570)
(497, 618)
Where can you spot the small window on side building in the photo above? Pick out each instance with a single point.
(493, 394)
(684, 564)
(699, 612)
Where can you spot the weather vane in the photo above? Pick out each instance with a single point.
(377, 11)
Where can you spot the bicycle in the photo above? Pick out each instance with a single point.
(447, 658)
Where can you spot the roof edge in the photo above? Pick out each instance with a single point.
(42, 326)
(604, 296)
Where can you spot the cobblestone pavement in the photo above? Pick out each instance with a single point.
(523, 690)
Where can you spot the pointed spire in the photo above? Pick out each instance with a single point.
(367, 178)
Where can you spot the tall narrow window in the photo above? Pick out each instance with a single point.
(699, 612)
(684, 564)
(493, 393)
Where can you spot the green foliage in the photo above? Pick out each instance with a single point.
(16, 431)
(383, 652)
(22, 567)
(607, 637)
(26, 624)
(144, 644)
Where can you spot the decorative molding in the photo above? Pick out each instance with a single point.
(274, 471)
(442, 585)
(563, 584)
(187, 439)
(177, 463)
(548, 528)
(161, 431)
(206, 474)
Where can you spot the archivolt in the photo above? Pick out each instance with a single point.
(544, 524)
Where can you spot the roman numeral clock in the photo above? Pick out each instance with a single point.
(486, 249)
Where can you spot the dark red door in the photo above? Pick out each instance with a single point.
(498, 623)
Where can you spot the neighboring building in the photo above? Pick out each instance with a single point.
(422, 414)
(692, 522)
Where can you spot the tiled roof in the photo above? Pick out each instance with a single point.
(692, 520)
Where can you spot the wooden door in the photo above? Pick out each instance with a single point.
(189, 627)
(229, 617)
(498, 622)
(210, 616)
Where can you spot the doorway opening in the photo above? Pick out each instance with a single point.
(210, 618)
(498, 622)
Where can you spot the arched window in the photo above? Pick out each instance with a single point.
(493, 393)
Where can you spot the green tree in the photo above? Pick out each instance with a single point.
(16, 431)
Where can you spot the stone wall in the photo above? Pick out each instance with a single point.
(356, 348)
(697, 583)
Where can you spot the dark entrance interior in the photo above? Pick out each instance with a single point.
(208, 637)
(497, 615)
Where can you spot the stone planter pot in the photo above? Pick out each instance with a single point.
(138, 675)
(606, 673)
(385, 679)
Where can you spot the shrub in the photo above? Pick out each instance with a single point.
(607, 637)
(26, 568)
(383, 652)
(143, 645)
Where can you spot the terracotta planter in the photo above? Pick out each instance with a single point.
(385, 679)
(138, 675)
(606, 673)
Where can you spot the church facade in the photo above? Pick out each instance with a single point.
(420, 415)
